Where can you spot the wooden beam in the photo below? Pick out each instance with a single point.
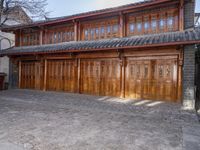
(121, 25)
(181, 15)
(41, 37)
(180, 75)
(79, 76)
(20, 74)
(75, 31)
(45, 75)
(20, 37)
(123, 77)
(79, 31)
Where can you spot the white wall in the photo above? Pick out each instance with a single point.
(7, 40)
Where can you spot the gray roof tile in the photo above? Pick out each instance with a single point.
(133, 41)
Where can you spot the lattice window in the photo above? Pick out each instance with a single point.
(139, 25)
(170, 21)
(153, 24)
(132, 27)
(146, 24)
(86, 34)
(162, 23)
(92, 34)
(97, 33)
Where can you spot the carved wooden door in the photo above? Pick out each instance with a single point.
(166, 77)
(138, 75)
(32, 75)
(61, 75)
(90, 77)
(110, 77)
(70, 75)
(101, 77)
(154, 79)
(39, 75)
(28, 75)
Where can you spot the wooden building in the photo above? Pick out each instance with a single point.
(133, 51)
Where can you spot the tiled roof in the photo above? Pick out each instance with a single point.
(163, 39)
(82, 15)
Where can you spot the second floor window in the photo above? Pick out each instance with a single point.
(146, 26)
(115, 28)
(153, 24)
(55, 37)
(59, 37)
(108, 29)
(139, 26)
(92, 34)
(170, 22)
(102, 31)
(97, 33)
(162, 22)
(86, 34)
(132, 27)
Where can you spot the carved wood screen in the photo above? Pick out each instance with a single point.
(154, 77)
(59, 34)
(152, 22)
(62, 75)
(151, 79)
(100, 29)
(30, 39)
(32, 75)
(101, 77)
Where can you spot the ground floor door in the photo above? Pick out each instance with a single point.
(101, 77)
(61, 75)
(32, 75)
(154, 78)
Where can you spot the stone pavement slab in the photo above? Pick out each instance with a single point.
(36, 120)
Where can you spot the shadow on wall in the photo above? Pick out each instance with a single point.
(197, 81)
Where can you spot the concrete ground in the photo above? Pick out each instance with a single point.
(35, 120)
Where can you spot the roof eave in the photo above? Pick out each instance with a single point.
(85, 15)
(111, 48)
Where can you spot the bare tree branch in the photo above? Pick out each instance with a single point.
(35, 9)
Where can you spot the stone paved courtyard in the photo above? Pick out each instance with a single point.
(36, 120)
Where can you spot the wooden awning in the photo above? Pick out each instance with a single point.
(186, 37)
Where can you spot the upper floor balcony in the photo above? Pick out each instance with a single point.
(149, 17)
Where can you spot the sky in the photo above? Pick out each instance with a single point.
(59, 8)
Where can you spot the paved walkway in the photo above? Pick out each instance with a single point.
(35, 120)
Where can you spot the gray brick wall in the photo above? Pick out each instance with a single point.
(189, 58)
(189, 8)
(189, 76)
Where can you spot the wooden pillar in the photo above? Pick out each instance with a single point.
(180, 75)
(45, 75)
(181, 15)
(75, 31)
(20, 37)
(121, 24)
(122, 77)
(79, 31)
(20, 74)
(41, 37)
(79, 75)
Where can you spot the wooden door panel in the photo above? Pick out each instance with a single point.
(110, 77)
(90, 77)
(32, 75)
(154, 79)
(166, 76)
(100, 77)
(61, 75)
